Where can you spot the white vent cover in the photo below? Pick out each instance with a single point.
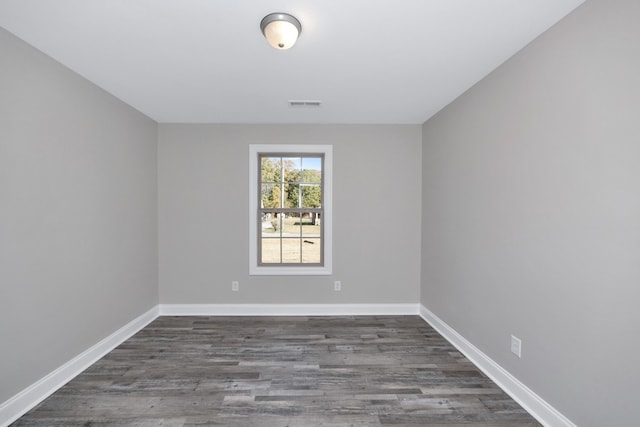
(304, 103)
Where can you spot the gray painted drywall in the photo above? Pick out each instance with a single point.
(531, 214)
(204, 220)
(78, 215)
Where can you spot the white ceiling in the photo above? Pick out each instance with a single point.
(206, 61)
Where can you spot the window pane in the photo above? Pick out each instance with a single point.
(291, 250)
(270, 169)
(311, 169)
(311, 196)
(270, 224)
(271, 251)
(310, 225)
(270, 196)
(292, 197)
(291, 169)
(291, 225)
(311, 249)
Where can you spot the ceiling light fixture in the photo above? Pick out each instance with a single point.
(281, 30)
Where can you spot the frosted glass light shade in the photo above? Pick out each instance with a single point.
(281, 30)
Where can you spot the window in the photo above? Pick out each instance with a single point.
(290, 203)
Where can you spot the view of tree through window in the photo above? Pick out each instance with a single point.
(290, 209)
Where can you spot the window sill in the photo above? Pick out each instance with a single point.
(290, 271)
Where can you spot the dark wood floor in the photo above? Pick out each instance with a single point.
(282, 371)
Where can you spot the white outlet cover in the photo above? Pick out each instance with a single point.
(516, 346)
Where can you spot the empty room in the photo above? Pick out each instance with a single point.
(319, 213)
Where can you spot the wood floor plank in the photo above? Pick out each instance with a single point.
(282, 371)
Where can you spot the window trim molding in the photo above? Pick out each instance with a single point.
(254, 268)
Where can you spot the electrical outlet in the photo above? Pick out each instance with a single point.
(337, 286)
(516, 346)
(235, 286)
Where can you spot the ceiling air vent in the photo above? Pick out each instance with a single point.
(304, 103)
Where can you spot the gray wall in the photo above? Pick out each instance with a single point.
(204, 220)
(531, 214)
(78, 218)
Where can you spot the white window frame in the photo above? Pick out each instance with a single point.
(302, 270)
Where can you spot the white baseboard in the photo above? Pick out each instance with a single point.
(288, 309)
(531, 402)
(22, 402)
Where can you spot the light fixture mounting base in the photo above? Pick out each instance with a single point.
(280, 16)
